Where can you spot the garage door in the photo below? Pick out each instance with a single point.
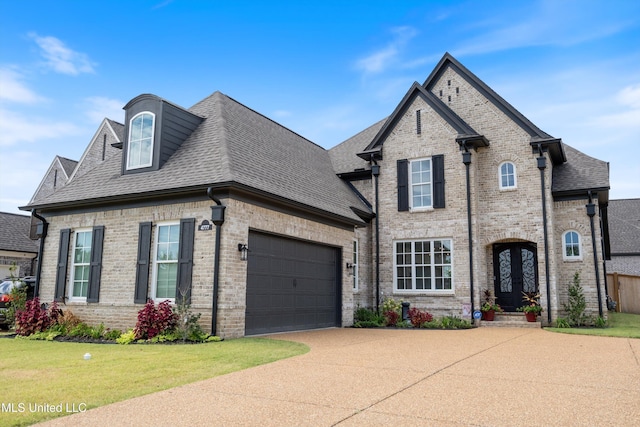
(291, 285)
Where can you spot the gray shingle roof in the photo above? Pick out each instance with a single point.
(624, 226)
(68, 165)
(343, 156)
(118, 128)
(14, 233)
(234, 144)
(580, 173)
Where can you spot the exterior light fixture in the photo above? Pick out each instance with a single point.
(349, 266)
(243, 249)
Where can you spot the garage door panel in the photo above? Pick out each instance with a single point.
(291, 285)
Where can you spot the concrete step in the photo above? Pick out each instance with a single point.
(510, 320)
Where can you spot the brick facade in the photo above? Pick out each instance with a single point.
(116, 308)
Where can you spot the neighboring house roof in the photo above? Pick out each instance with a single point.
(580, 173)
(624, 226)
(14, 233)
(234, 147)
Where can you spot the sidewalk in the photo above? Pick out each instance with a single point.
(355, 377)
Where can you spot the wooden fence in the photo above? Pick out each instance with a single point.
(625, 290)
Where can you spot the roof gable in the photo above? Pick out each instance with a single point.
(100, 147)
(463, 129)
(538, 137)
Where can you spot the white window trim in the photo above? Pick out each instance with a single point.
(415, 291)
(153, 136)
(154, 262)
(410, 183)
(356, 256)
(73, 265)
(564, 247)
(515, 176)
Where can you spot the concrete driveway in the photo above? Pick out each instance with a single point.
(356, 377)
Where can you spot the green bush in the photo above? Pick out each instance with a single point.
(576, 305)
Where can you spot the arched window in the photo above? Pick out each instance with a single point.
(140, 152)
(507, 176)
(571, 246)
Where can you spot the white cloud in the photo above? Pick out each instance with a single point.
(13, 90)
(62, 59)
(282, 113)
(630, 96)
(99, 108)
(16, 128)
(380, 60)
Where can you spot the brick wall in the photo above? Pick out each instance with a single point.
(116, 308)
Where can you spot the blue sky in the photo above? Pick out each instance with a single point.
(324, 69)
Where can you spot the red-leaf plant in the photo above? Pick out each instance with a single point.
(391, 317)
(35, 318)
(418, 317)
(154, 320)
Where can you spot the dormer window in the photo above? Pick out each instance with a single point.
(141, 133)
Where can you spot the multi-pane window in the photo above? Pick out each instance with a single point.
(420, 177)
(355, 265)
(423, 265)
(571, 246)
(81, 264)
(166, 260)
(140, 152)
(507, 175)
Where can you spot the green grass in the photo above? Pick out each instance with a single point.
(39, 372)
(622, 325)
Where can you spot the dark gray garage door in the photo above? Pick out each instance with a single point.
(291, 285)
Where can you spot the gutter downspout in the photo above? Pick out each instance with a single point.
(45, 226)
(375, 170)
(217, 217)
(466, 159)
(591, 211)
(542, 165)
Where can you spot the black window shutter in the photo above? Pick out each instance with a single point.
(185, 259)
(93, 293)
(63, 258)
(438, 181)
(403, 185)
(142, 266)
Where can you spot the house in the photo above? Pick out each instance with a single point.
(624, 228)
(261, 230)
(16, 248)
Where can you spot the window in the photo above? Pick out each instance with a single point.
(81, 265)
(165, 262)
(420, 183)
(571, 247)
(423, 266)
(355, 265)
(507, 176)
(141, 131)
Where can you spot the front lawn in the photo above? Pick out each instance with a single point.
(40, 377)
(623, 325)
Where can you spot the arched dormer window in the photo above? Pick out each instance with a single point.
(571, 246)
(141, 133)
(507, 176)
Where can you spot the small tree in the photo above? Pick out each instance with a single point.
(576, 304)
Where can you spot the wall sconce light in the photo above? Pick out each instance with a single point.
(349, 266)
(243, 249)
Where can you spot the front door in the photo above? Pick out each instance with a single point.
(515, 267)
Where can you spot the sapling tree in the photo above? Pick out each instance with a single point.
(576, 305)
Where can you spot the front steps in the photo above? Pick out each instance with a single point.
(510, 320)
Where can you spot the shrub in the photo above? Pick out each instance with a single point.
(17, 301)
(127, 338)
(391, 317)
(112, 334)
(187, 326)
(35, 318)
(576, 304)
(600, 322)
(154, 320)
(389, 304)
(418, 318)
(366, 317)
(561, 322)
